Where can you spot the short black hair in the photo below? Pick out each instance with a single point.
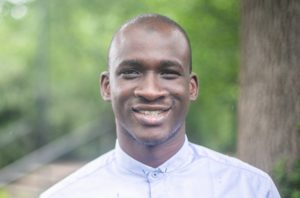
(148, 19)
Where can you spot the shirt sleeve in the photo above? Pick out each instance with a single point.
(273, 192)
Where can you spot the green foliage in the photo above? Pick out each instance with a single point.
(288, 180)
(3, 193)
(53, 51)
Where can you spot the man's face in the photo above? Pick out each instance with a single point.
(149, 84)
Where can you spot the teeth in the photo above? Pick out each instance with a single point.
(151, 113)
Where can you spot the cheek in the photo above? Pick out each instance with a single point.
(181, 99)
(180, 91)
(119, 94)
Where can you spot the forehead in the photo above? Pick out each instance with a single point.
(153, 41)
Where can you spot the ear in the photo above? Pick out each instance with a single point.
(105, 86)
(193, 87)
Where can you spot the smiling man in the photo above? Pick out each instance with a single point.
(150, 84)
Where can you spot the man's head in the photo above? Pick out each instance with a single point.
(151, 22)
(149, 82)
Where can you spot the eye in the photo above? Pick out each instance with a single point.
(170, 74)
(130, 74)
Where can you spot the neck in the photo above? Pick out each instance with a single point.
(153, 155)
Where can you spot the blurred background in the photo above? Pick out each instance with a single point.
(52, 118)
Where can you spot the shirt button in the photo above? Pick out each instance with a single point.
(154, 174)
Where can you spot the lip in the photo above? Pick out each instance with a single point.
(151, 115)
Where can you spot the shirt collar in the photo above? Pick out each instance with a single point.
(182, 158)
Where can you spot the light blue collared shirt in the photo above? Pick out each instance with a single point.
(194, 171)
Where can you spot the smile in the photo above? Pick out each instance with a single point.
(151, 113)
(151, 117)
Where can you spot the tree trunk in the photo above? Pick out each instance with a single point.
(269, 103)
(42, 84)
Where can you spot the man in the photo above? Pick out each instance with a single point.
(150, 85)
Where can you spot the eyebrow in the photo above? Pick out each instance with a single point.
(132, 62)
(163, 64)
(170, 63)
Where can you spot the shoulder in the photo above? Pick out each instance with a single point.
(221, 160)
(228, 171)
(82, 176)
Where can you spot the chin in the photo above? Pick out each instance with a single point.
(155, 140)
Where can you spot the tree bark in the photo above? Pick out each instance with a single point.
(269, 103)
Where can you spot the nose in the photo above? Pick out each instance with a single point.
(150, 88)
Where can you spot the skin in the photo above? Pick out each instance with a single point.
(150, 86)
